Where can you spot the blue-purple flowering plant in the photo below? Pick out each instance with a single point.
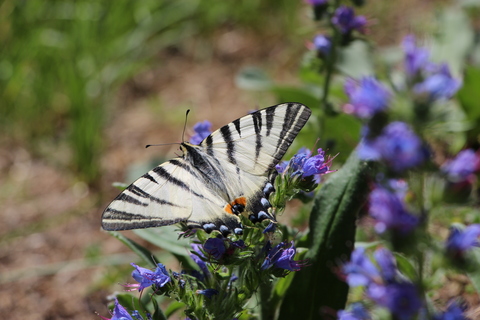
(221, 274)
(392, 181)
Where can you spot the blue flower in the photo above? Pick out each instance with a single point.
(386, 263)
(367, 97)
(356, 311)
(360, 270)
(270, 228)
(453, 312)
(389, 211)
(209, 293)
(402, 299)
(397, 145)
(119, 313)
(215, 247)
(460, 241)
(147, 277)
(346, 21)
(304, 165)
(198, 260)
(463, 166)
(322, 44)
(282, 257)
(440, 85)
(416, 58)
(202, 130)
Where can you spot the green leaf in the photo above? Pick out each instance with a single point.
(405, 266)
(141, 251)
(317, 288)
(158, 313)
(174, 307)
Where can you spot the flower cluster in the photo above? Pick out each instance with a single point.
(367, 97)
(463, 166)
(281, 257)
(201, 285)
(387, 207)
(459, 241)
(397, 146)
(383, 283)
(430, 81)
(120, 313)
(304, 165)
(346, 20)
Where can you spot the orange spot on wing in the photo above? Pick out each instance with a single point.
(240, 200)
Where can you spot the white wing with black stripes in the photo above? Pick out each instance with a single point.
(211, 184)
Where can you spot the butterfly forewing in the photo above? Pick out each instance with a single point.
(256, 142)
(232, 164)
(160, 197)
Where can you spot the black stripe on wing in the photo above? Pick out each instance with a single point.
(294, 120)
(227, 137)
(257, 125)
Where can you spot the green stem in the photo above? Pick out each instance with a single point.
(268, 313)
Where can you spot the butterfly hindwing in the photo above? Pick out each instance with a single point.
(228, 173)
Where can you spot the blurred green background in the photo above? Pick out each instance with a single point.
(84, 85)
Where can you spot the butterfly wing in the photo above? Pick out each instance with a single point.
(256, 142)
(249, 148)
(163, 196)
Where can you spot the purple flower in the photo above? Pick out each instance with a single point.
(463, 166)
(215, 247)
(146, 277)
(386, 263)
(316, 165)
(356, 311)
(202, 130)
(453, 312)
(459, 241)
(390, 212)
(367, 97)
(282, 257)
(416, 58)
(270, 228)
(302, 164)
(119, 313)
(439, 85)
(346, 21)
(360, 270)
(322, 44)
(402, 299)
(397, 145)
(198, 260)
(209, 293)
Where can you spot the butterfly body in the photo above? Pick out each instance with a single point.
(212, 183)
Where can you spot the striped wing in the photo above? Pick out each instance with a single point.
(165, 195)
(256, 142)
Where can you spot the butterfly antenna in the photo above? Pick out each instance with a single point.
(161, 144)
(185, 125)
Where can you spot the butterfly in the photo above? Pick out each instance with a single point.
(229, 173)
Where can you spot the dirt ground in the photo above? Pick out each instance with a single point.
(50, 226)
